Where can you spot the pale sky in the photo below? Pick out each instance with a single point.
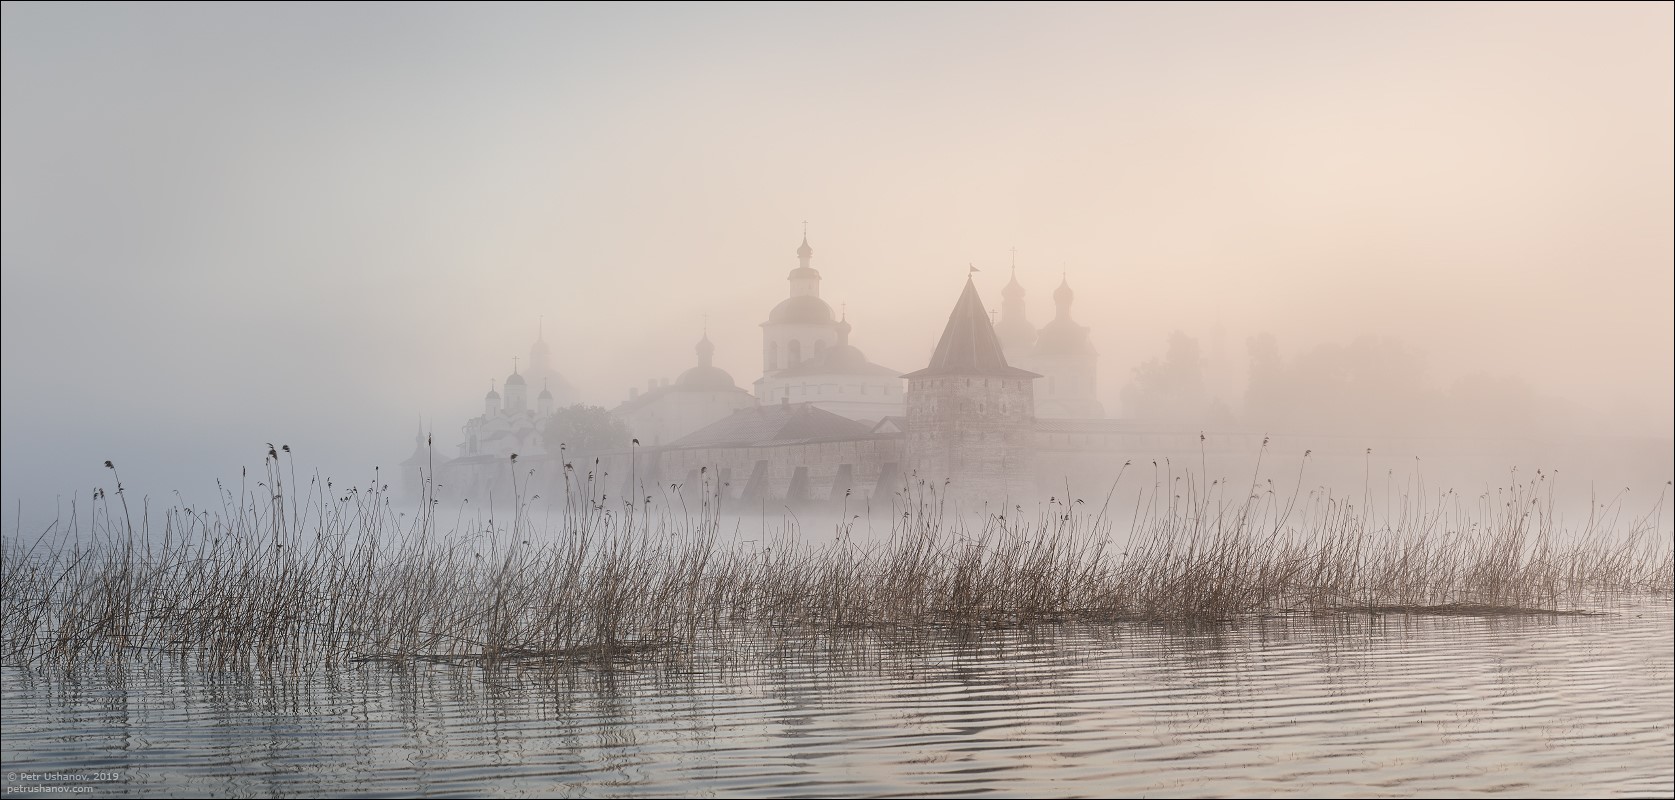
(230, 225)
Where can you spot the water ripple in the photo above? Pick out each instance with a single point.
(1343, 704)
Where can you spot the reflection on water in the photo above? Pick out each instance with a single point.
(1323, 705)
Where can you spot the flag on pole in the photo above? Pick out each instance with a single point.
(973, 269)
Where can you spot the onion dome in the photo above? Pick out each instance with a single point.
(706, 377)
(1063, 296)
(1013, 289)
(1014, 330)
(1063, 336)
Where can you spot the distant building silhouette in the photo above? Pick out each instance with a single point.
(1001, 409)
(1061, 352)
(422, 465)
(807, 357)
(1066, 358)
(969, 413)
(541, 372)
(508, 425)
(701, 395)
(1016, 334)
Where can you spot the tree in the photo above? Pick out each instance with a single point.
(1170, 389)
(1371, 385)
(584, 429)
(1265, 401)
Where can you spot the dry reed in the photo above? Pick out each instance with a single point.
(335, 576)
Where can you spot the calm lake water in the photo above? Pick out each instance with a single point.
(1324, 705)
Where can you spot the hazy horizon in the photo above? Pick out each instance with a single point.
(316, 225)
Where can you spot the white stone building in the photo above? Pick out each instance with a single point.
(508, 425)
(807, 357)
(701, 395)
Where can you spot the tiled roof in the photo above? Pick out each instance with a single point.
(969, 345)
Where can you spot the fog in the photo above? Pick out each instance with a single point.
(226, 226)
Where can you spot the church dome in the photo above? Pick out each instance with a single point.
(492, 395)
(1014, 329)
(705, 379)
(1013, 288)
(845, 358)
(804, 251)
(514, 380)
(1063, 336)
(806, 310)
(1063, 296)
(546, 394)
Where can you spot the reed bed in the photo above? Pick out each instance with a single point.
(335, 575)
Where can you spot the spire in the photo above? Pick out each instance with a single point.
(969, 345)
(540, 355)
(538, 348)
(843, 327)
(805, 280)
(706, 350)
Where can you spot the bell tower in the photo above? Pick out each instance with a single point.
(970, 415)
